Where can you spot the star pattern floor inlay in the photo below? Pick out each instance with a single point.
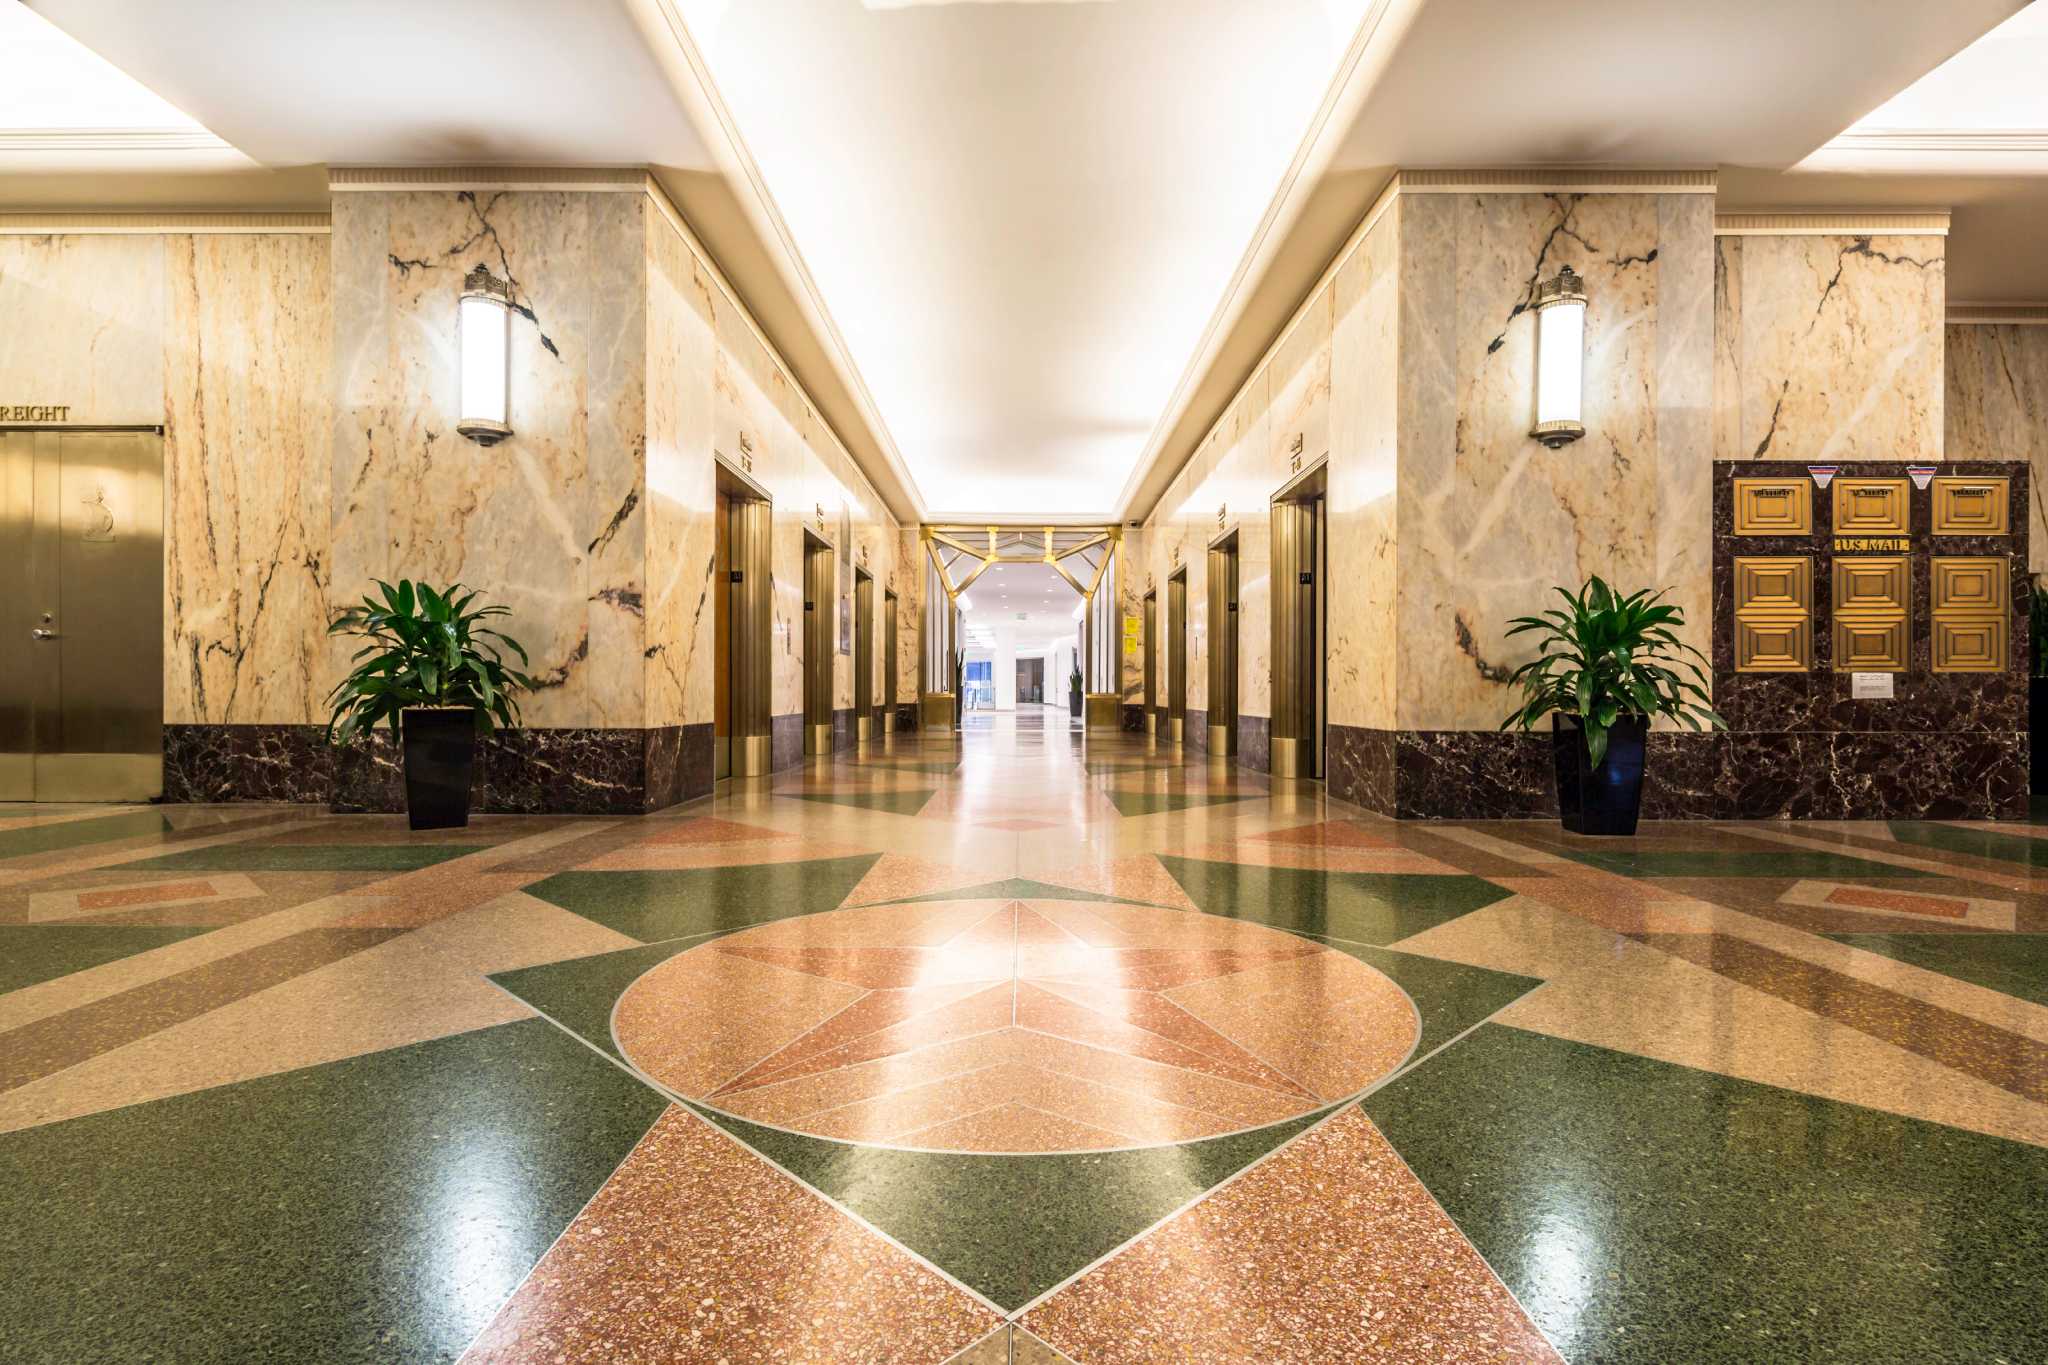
(1014, 1026)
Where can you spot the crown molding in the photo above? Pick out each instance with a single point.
(1996, 314)
(589, 179)
(16, 140)
(2017, 140)
(156, 224)
(1553, 180)
(1834, 223)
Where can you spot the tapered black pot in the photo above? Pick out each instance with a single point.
(1603, 800)
(440, 755)
(2037, 736)
(1074, 701)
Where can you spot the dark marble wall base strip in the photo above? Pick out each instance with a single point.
(785, 742)
(518, 772)
(1132, 718)
(844, 732)
(1195, 731)
(906, 717)
(1800, 775)
(1255, 743)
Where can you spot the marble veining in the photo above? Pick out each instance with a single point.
(1829, 347)
(1997, 408)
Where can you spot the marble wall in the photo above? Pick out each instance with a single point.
(224, 340)
(1997, 406)
(307, 385)
(1829, 346)
(1489, 520)
(550, 521)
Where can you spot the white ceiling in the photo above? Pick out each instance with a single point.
(1031, 600)
(1022, 214)
(1023, 251)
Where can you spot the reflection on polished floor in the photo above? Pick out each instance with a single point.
(1018, 1047)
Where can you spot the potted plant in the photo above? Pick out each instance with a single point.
(432, 673)
(2037, 690)
(1606, 666)
(959, 685)
(1074, 692)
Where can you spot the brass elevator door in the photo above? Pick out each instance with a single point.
(81, 615)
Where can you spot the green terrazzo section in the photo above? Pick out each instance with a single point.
(1977, 843)
(1643, 1211)
(1360, 907)
(1011, 1227)
(30, 953)
(1791, 863)
(654, 906)
(378, 1209)
(1156, 803)
(17, 843)
(2011, 964)
(579, 994)
(889, 802)
(303, 858)
(1449, 996)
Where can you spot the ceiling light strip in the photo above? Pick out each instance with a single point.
(1997, 314)
(109, 140)
(1941, 140)
(1834, 223)
(157, 224)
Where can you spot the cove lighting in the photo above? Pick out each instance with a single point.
(484, 328)
(1560, 359)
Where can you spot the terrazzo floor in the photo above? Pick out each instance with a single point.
(1015, 1048)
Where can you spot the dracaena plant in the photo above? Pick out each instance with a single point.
(424, 648)
(1602, 657)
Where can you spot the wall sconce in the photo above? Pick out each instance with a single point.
(483, 341)
(1560, 359)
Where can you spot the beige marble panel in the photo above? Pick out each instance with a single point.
(1997, 407)
(679, 649)
(84, 325)
(1489, 519)
(1365, 384)
(551, 521)
(248, 478)
(1829, 347)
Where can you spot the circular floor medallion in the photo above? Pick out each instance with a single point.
(1014, 1026)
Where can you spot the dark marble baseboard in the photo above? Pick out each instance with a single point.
(845, 733)
(906, 718)
(1131, 717)
(1195, 730)
(785, 742)
(1801, 775)
(1255, 743)
(554, 771)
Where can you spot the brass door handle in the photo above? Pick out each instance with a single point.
(40, 634)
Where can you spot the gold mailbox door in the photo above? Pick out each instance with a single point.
(1871, 507)
(1871, 614)
(1773, 613)
(1970, 505)
(1773, 507)
(1972, 613)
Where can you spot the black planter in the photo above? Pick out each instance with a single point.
(1074, 702)
(2037, 736)
(1606, 799)
(440, 755)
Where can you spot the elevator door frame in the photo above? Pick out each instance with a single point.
(750, 615)
(1300, 625)
(1177, 655)
(1223, 645)
(50, 601)
(863, 654)
(1150, 658)
(821, 567)
(885, 714)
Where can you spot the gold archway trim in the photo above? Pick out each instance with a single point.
(988, 546)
